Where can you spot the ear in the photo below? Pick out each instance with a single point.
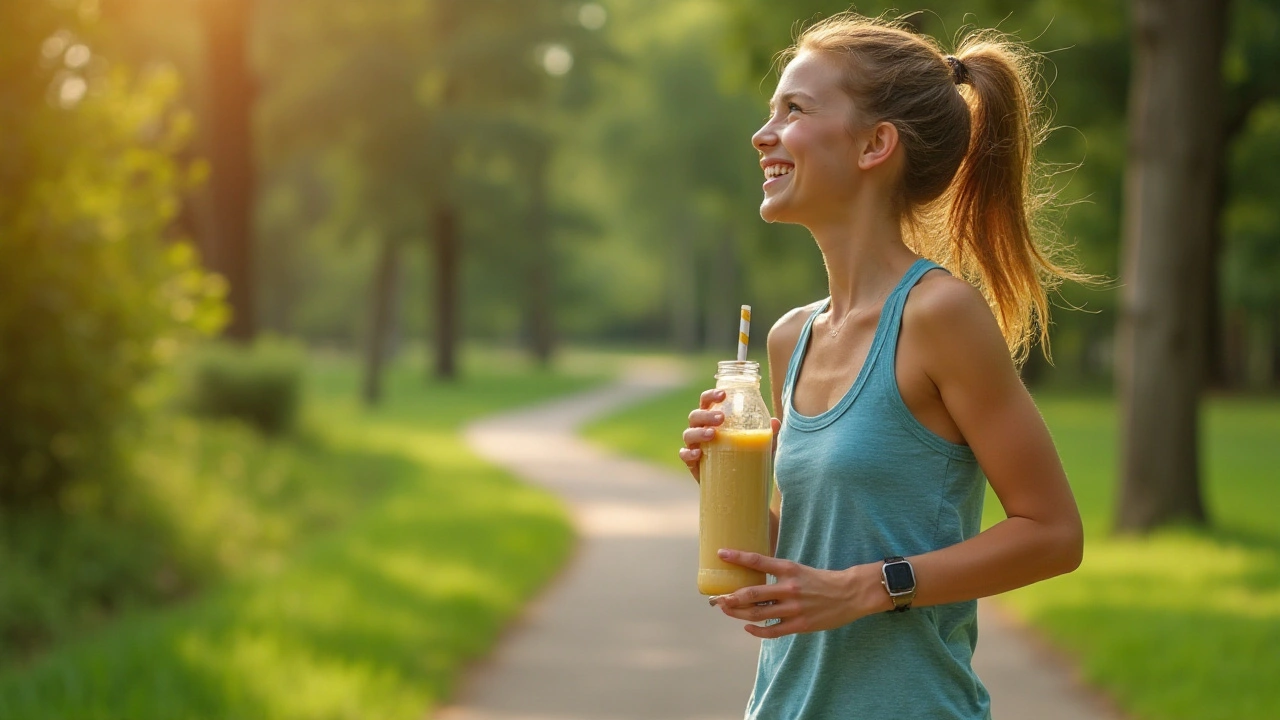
(878, 145)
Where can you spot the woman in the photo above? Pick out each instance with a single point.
(900, 390)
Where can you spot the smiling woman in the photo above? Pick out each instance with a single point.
(914, 171)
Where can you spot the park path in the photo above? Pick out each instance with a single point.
(623, 635)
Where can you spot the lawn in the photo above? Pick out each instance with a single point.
(390, 559)
(1181, 625)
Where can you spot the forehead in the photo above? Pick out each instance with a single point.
(810, 73)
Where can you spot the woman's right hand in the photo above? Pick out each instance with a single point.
(702, 428)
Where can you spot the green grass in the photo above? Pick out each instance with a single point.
(1181, 625)
(365, 585)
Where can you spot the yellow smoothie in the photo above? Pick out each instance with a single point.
(736, 475)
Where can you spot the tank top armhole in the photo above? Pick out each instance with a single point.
(933, 440)
(797, 356)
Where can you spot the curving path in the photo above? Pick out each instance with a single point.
(622, 634)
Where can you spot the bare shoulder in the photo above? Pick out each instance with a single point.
(785, 333)
(952, 320)
(940, 297)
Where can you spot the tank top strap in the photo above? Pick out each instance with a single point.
(891, 319)
(797, 357)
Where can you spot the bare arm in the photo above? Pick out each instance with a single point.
(783, 337)
(1042, 535)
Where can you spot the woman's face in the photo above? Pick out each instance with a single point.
(808, 153)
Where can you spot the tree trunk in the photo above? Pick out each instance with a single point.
(384, 290)
(541, 302)
(1174, 144)
(447, 253)
(230, 134)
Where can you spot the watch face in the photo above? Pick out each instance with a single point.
(899, 577)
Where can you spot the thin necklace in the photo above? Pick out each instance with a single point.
(835, 331)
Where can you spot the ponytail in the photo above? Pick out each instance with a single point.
(998, 194)
(973, 194)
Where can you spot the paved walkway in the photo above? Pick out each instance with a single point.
(623, 634)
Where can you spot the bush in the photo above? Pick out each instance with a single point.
(95, 289)
(260, 384)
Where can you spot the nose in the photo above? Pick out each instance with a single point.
(765, 137)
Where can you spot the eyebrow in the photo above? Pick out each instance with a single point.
(784, 98)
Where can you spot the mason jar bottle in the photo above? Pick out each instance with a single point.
(736, 476)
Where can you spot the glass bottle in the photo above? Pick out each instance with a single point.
(736, 476)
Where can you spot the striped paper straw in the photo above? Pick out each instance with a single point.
(744, 332)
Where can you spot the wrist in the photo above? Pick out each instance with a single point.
(867, 589)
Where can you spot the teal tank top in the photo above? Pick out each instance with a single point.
(861, 482)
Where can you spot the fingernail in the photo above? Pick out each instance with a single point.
(724, 554)
(717, 416)
(713, 600)
(708, 433)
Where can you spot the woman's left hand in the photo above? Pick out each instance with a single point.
(804, 599)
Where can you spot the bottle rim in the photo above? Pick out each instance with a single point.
(746, 369)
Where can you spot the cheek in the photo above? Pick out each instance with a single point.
(821, 153)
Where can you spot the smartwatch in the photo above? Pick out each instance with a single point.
(900, 581)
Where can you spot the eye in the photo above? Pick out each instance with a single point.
(792, 107)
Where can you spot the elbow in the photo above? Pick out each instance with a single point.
(1070, 547)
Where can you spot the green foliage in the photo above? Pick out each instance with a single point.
(381, 558)
(260, 384)
(1198, 606)
(379, 113)
(94, 293)
(257, 499)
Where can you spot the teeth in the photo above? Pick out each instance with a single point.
(774, 171)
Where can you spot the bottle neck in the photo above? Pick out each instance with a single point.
(738, 373)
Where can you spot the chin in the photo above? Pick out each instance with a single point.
(775, 212)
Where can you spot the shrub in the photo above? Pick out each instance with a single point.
(260, 384)
(95, 290)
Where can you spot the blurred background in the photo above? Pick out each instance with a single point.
(261, 259)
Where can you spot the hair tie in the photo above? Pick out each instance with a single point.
(959, 73)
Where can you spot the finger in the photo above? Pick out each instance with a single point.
(709, 398)
(789, 626)
(776, 424)
(762, 611)
(755, 561)
(695, 436)
(756, 596)
(690, 456)
(705, 418)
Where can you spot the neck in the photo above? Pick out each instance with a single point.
(864, 254)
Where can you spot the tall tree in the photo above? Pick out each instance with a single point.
(1175, 140)
(229, 124)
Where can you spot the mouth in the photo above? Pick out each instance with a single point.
(774, 172)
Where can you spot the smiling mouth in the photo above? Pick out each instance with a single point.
(774, 171)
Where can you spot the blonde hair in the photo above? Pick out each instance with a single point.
(973, 195)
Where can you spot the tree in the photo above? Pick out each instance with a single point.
(229, 121)
(1175, 141)
(96, 289)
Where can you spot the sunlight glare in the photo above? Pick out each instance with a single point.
(557, 60)
(72, 91)
(77, 56)
(55, 44)
(592, 16)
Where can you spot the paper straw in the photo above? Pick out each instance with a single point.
(744, 332)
